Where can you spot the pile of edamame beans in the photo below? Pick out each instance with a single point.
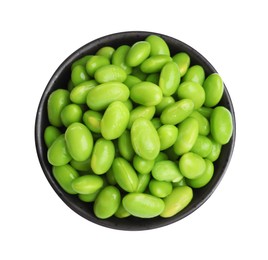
(136, 130)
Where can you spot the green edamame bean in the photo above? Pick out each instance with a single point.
(204, 178)
(177, 112)
(191, 165)
(196, 74)
(124, 174)
(137, 53)
(154, 63)
(143, 181)
(203, 123)
(131, 81)
(183, 61)
(143, 205)
(51, 133)
(125, 146)
(169, 78)
(141, 112)
(64, 175)
(193, 91)
(215, 151)
(101, 96)
(79, 93)
(79, 141)
(87, 184)
(92, 119)
(81, 166)
(167, 135)
(102, 156)
(202, 146)
(146, 93)
(106, 51)
(110, 73)
(141, 165)
(70, 114)
(119, 57)
(221, 125)
(145, 139)
(187, 135)
(213, 86)
(158, 45)
(160, 189)
(94, 63)
(57, 100)
(79, 75)
(176, 201)
(114, 121)
(166, 170)
(57, 153)
(107, 202)
(166, 101)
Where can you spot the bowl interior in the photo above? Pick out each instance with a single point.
(60, 79)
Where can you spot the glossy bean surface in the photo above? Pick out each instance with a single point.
(146, 93)
(124, 174)
(221, 125)
(176, 201)
(143, 205)
(79, 141)
(102, 156)
(87, 184)
(114, 121)
(107, 202)
(145, 139)
(104, 94)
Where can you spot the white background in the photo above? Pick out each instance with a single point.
(36, 36)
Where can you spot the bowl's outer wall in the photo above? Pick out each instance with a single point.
(60, 79)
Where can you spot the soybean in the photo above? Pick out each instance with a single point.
(146, 93)
(143, 205)
(57, 153)
(176, 201)
(107, 202)
(221, 125)
(102, 156)
(169, 78)
(193, 91)
(79, 141)
(177, 112)
(101, 96)
(114, 121)
(145, 139)
(57, 100)
(87, 184)
(125, 175)
(138, 52)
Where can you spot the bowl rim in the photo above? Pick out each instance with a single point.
(39, 142)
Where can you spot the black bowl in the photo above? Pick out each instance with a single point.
(60, 79)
